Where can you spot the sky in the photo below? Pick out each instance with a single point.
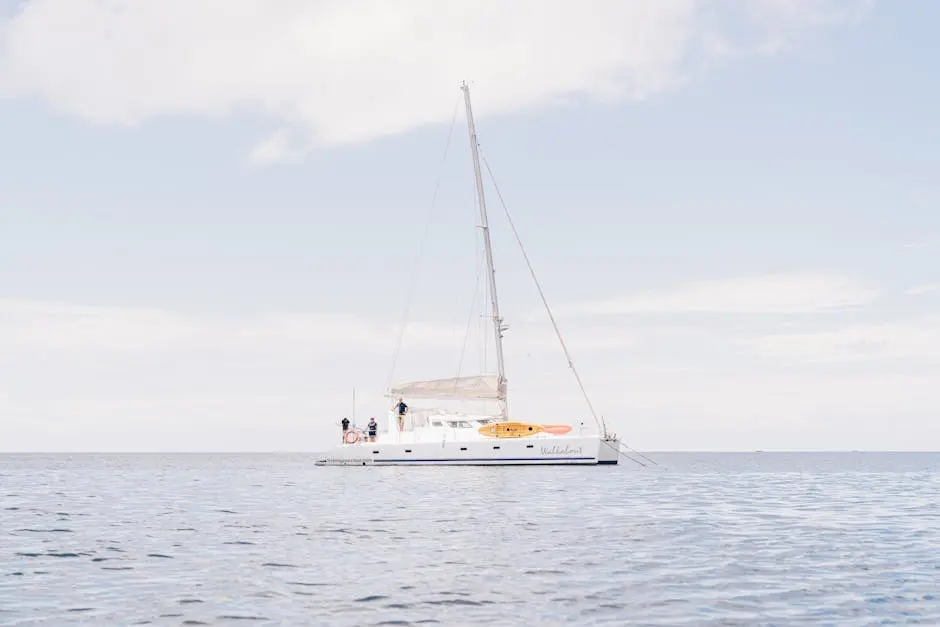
(218, 218)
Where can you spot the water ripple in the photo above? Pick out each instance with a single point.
(714, 540)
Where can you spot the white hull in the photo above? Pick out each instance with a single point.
(556, 450)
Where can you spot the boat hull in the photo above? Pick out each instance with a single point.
(578, 450)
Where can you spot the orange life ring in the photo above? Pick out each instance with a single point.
(351, 437)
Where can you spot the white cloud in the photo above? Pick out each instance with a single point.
(279, 147)
(126, 377)
(70, 327)
(34, 325)
(775, 293)
(168, 381)
(924, 242)
(925, 288)
(105, 329)
(782, 25)
(341, 72)
(754, 409)
(182, 422)
(918, 341)
(799, 13)
(671, 410)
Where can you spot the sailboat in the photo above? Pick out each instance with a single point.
(443, 437)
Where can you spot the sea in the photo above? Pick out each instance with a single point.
(271, 539)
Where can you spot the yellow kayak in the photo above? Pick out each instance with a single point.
(520, 429)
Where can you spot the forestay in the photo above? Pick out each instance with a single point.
(478, 387)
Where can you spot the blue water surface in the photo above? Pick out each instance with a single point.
(701, 539)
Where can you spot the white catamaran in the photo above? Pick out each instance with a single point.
(445, 437)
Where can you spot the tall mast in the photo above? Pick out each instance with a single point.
(498, 327)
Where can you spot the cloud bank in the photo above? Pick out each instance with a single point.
(86, 377)
(326, 72)
(773, 294)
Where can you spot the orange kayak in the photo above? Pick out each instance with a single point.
(556, 429)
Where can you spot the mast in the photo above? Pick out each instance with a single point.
(498, 327)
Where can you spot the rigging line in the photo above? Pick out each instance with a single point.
(421, 247)
(633, 450)
(623, 445)
(542, 296)
(466, 336)
(622, 453)
(478, 264)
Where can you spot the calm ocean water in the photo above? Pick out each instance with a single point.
(709, 539)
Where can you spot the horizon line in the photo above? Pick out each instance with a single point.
(309, 452)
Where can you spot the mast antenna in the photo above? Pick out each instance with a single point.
(498, 326)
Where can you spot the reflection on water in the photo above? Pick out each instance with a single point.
(271, 539)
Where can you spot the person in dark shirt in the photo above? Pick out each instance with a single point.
(402, 410)
(373, 428)
(345, 422)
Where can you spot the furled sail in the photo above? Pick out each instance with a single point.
(478, 387)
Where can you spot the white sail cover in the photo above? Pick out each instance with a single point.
(478, 387)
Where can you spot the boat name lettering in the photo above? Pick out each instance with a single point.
(558, 450)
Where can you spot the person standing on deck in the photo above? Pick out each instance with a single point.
(373, 428)
(402, 410)
(345, 422)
